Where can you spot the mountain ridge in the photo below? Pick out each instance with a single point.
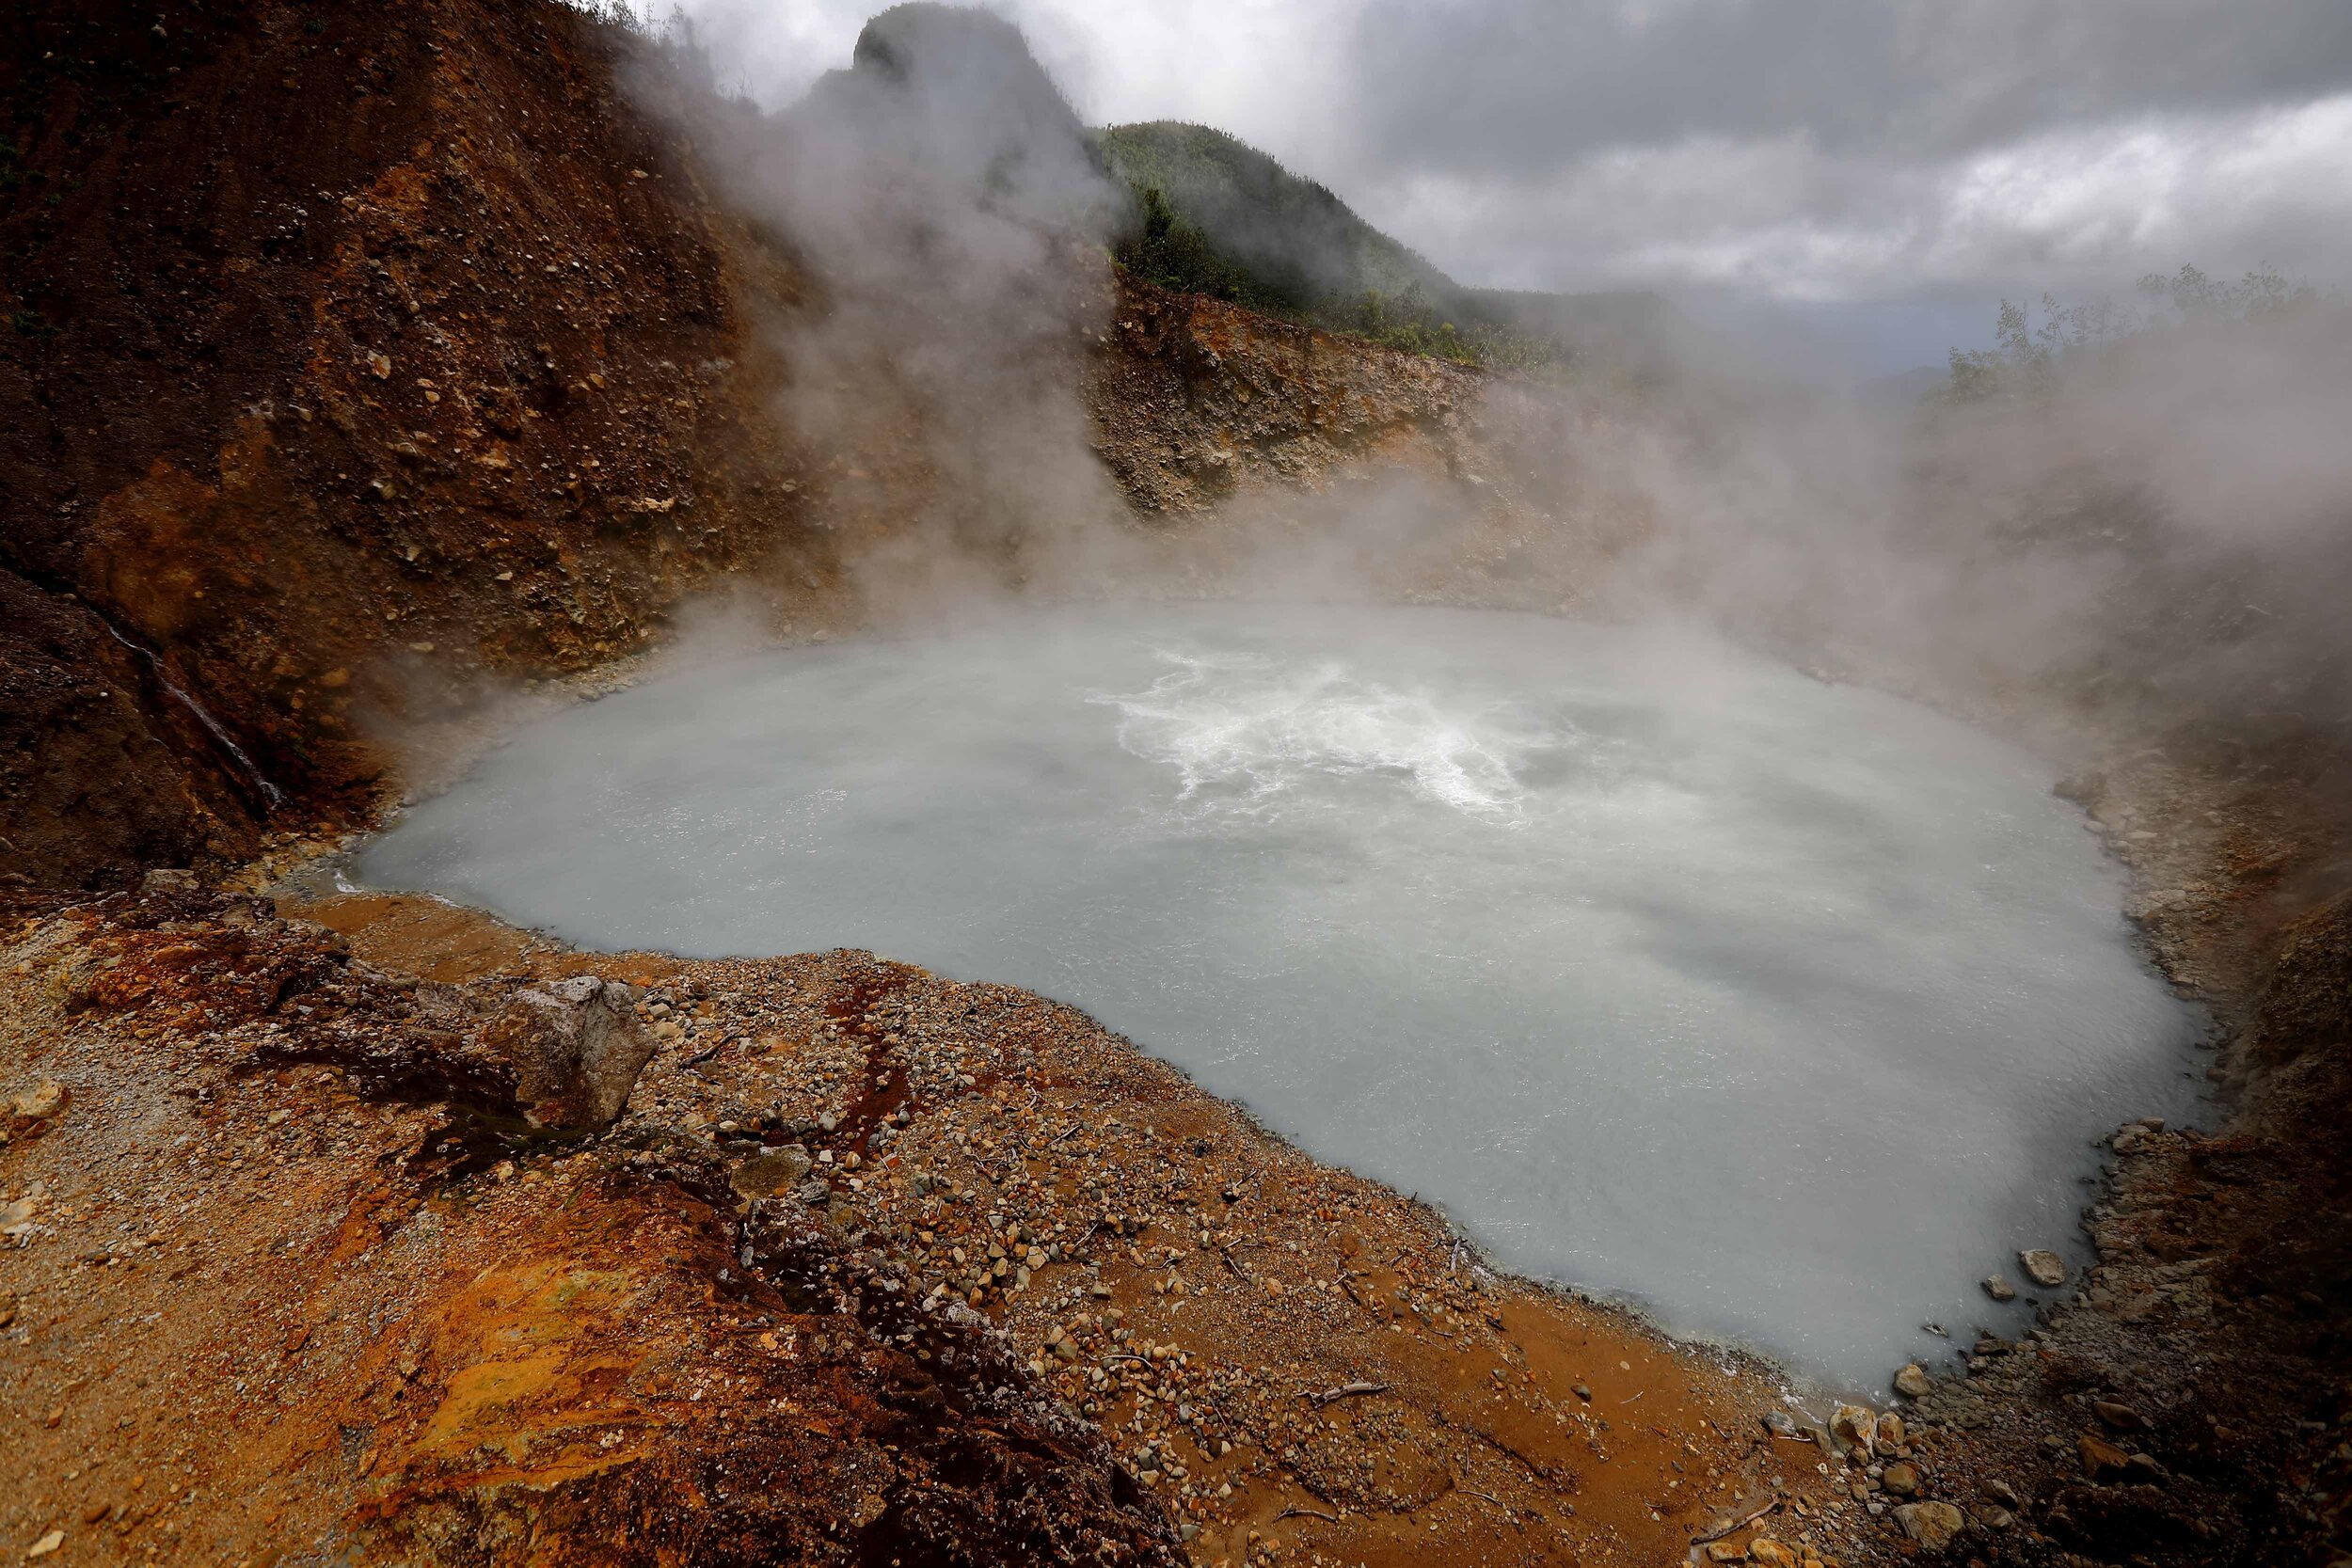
(1281, 243)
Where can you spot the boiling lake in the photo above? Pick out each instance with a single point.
(1787, 1009)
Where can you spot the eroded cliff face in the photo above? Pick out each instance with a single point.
(359, 355)
(1196, 401)
(1260, 456)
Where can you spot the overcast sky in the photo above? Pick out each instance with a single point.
(1882, 165)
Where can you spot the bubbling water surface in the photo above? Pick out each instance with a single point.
(1787, 1009)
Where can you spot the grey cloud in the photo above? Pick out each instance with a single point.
(1799, 149)
(2081, 209)
(1495, 86)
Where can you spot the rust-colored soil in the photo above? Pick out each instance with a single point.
(417, 1339)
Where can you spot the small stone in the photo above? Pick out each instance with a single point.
(1931, 1524)
(1854, 1426)
(2043, 1266)
(1913, 1381)
(1583, 1393)
(46, 1545)
(1901, 1479)
(771, 1171)
(1890, 1432)
(1781, 1424)
(2100, 1457)
(33, 1109)
(1997, 1518)
(1726, 1551)
(2121, 1417)
(1770, 1553)
(1999, 1289)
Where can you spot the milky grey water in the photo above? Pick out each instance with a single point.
(1787, 1009)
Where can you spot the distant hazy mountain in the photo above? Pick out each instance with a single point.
(955, 92)
(1237, 224)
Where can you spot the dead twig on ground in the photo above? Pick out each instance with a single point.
(1346, 1391)
(1740, 1524)
(1306, 1513)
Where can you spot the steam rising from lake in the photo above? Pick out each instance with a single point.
(1787, 1009)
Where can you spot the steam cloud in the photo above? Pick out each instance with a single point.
(941, 197)
(2159, 533)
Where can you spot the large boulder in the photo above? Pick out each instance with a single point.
(2043, 1266)
(1933, 1526)
(576, 1048)
(1854, 1427)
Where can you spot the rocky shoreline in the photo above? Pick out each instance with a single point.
(1277, 1359)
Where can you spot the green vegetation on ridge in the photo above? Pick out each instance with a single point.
(1217, 217)
(2026, 360)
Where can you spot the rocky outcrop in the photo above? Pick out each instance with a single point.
(1196, 400)
(576, 1047)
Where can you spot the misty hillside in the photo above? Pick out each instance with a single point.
(1297, 242)
(1215, 215)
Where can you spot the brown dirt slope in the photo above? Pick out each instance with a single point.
(301, 1316)
(351, 353)
(1200, 398)
(876, 1268)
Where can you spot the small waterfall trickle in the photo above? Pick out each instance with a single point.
(248, 768)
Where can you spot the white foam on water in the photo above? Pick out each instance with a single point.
(1789, 1010)
(1242, 730)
